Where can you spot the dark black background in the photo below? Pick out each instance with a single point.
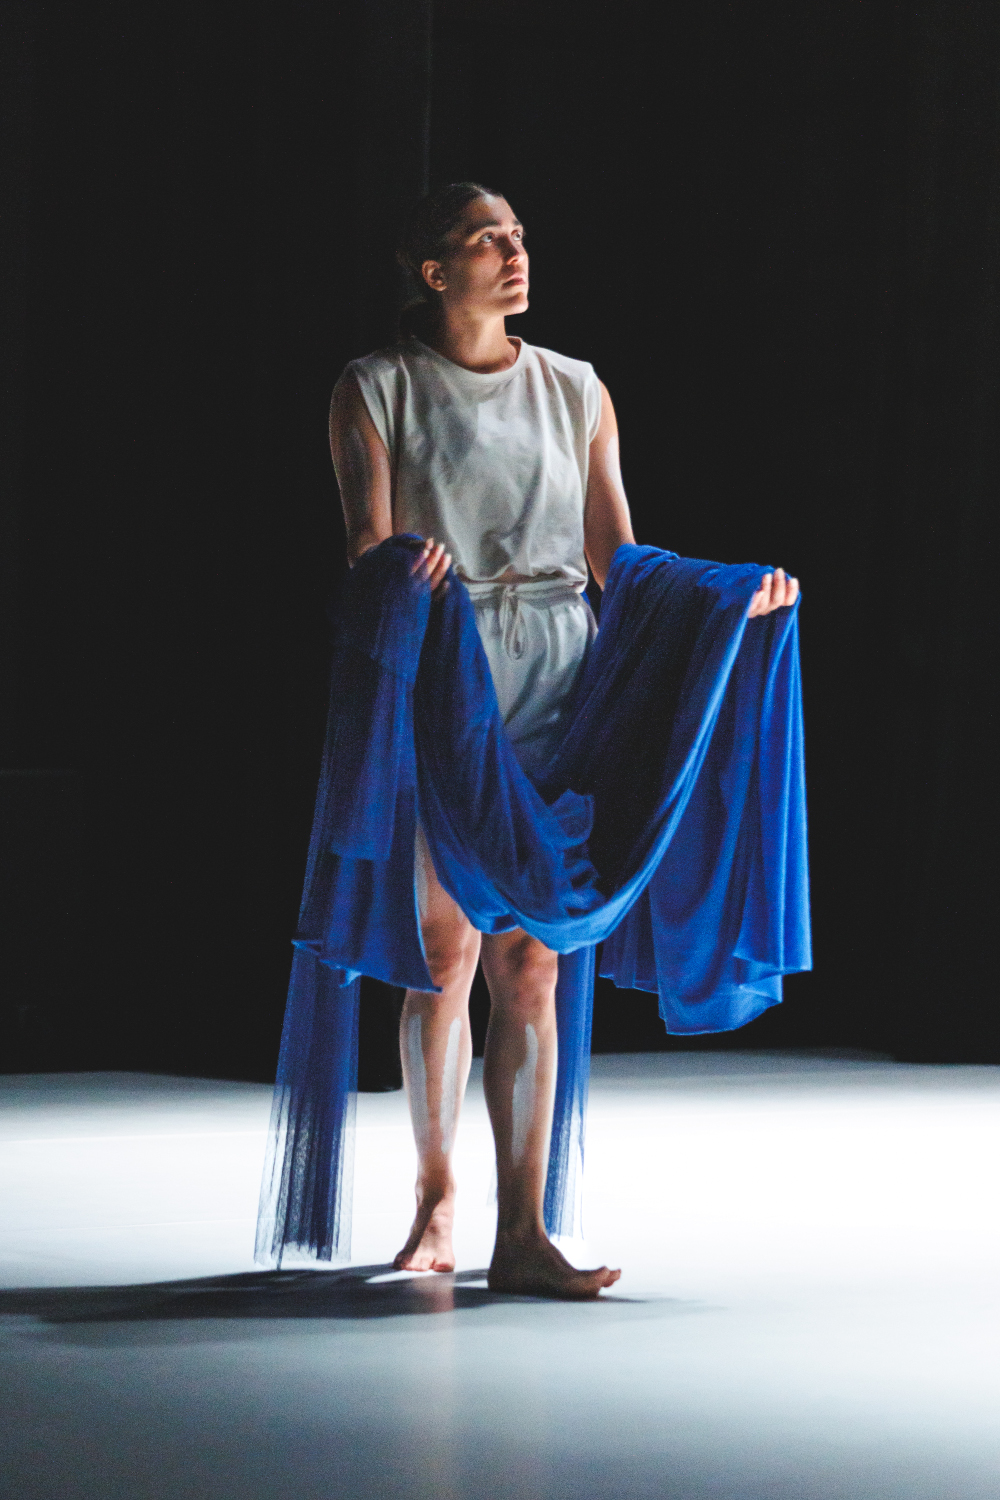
(772, 228)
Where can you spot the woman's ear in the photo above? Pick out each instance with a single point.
(433, 274)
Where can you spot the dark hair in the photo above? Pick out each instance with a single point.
(425, 237)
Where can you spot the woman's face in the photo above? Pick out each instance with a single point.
(486, 268)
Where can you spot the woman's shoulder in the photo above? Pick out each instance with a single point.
(579, 386)
(376, 380)
(578, 371)
(379, 365)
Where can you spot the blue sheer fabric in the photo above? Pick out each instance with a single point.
(670, 825)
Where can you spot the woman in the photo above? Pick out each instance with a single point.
(504, 457)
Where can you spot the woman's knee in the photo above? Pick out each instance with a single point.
(452, 952)
(522, 971)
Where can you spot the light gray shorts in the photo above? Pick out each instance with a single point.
(536, 636)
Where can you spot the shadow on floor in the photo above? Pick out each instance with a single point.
(350, 1293)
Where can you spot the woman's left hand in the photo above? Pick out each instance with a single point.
(776, 589)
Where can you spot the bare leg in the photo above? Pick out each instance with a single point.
(435, 1044)
(519, 1076)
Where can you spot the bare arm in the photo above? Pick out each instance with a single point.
(363, 473)
(362, 467)
(606, 520)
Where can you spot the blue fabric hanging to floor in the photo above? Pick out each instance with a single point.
(670, 826)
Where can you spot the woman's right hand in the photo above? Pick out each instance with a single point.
(433, 563)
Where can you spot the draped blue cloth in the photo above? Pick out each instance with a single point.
(669, 826)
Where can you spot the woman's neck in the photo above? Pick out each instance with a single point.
(481, 345)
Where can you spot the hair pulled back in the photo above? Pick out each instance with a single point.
(425, 237)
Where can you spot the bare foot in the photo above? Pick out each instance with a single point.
(428, 1246)
(534, 1267)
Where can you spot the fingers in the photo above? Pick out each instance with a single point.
(761, 601)
(421, 560)
(428, 559)
(435, 557)
(777, 591)
(439, 570)
(432, 565)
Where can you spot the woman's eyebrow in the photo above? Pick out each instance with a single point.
(494, 224)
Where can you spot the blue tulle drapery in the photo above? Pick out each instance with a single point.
(670, 825)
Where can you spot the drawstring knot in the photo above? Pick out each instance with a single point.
(512, 627)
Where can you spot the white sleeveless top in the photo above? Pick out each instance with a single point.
(494, 466)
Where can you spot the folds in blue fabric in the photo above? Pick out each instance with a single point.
(669, 826)
(307, 1190)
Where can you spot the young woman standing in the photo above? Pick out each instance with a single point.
(504, 458)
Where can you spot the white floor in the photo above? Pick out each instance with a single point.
(808, 1308)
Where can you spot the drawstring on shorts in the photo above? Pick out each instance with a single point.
(508, 598)
(513, 631)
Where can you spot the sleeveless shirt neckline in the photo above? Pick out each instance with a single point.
(494, 465)
(475, 375)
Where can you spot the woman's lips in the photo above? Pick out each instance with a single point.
(516, 281)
